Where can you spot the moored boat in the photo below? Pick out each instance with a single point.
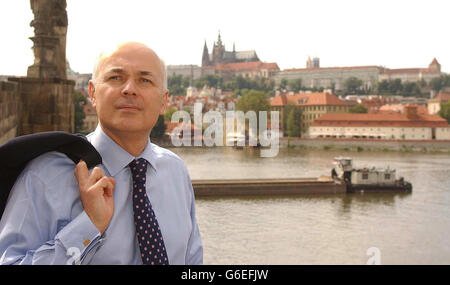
(368, 179)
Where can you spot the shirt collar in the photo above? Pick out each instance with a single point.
(114, 157)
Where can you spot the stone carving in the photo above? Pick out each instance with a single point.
(50, 29)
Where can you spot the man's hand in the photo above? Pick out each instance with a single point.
(96, 192)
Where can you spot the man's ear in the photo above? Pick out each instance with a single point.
(164, 103)
(92, 93)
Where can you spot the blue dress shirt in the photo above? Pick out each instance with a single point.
(45, 223)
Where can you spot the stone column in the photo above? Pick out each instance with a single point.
(46, 96)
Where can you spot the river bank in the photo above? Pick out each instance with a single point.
(357, 145)
(424, 146)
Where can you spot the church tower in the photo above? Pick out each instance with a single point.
(308, 63)
(434, 65)
(205, 56)
(218, 51)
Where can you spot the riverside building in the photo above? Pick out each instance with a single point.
(409, 125)
(312, 105)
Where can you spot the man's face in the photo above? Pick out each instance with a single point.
(128, 94)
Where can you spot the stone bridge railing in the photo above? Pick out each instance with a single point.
(9, 110)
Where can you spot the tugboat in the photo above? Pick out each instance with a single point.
(367, 179)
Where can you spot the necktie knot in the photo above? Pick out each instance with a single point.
(138, 166)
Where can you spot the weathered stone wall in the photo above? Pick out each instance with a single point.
(47, 105)
(9, 112)
(185, 71)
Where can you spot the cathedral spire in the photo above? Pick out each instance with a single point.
(219, 40)
(205, 56)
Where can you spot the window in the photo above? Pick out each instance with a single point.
(387, 176)
(365, 176)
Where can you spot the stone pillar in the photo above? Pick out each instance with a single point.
(50, 29)
(46, 104)
(46, 96)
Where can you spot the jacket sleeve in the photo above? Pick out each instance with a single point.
(27, 234)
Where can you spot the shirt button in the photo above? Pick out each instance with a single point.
(86, 242)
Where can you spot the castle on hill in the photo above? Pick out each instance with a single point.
(220, 55)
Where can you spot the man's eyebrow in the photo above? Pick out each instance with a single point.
(121, 70)
(145, 72)
(115, 70)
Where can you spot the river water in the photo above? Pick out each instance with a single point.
(323, 229)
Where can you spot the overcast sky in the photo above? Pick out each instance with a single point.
(390, 33)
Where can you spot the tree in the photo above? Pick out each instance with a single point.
(213, 80)
(358, 108)
(383, 87)
(283, 83)
(444, 112)
(395, 86)
(79, 100)
(159, 129)
(411, 89)
(445, 79)
(253, 100)
(293, 121)
(295, 84)
(177, 84)
(352, 85)
(436, 84)
(168, 114)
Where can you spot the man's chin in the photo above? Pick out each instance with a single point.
(127, 126)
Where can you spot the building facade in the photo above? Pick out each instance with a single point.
(434, 104)
(330, 77)
(410, 125)
(90, 120)
(188, 70)
(412, 74)
(312, 105)
(255, 69)
(314, 76)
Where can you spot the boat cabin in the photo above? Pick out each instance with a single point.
(373, 176)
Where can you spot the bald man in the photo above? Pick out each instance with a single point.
(136, 208)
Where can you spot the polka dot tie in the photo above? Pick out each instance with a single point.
(148, 233)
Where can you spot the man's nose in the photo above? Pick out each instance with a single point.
(129, 88)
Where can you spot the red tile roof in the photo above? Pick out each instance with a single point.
(380, 120)
(442, 96)
(421, 109)
(434, 62)
(307, 99)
